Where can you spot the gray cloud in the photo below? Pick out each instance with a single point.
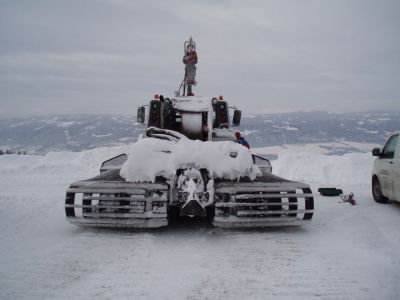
(111, 56)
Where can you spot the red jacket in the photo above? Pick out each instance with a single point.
(190, 57)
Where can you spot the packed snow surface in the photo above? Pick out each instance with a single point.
(346, 252)
(151, 157)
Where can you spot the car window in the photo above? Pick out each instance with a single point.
(390, 147)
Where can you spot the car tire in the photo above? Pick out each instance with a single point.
(377, 191)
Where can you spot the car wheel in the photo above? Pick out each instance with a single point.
(377, 192)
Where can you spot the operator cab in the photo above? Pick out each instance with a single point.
(196, 117)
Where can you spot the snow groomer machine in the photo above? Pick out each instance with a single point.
(187, 163)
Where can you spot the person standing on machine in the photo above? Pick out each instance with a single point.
(241, 140)
(190, 61)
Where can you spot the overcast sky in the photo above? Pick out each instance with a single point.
(109, 56)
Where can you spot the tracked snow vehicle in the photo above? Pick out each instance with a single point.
(187, 163)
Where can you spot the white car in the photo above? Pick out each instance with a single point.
(386, 171)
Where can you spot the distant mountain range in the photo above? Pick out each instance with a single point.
(80, 132)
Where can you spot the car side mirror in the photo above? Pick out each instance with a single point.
(237, 114)
(141, 112)
(376, 152)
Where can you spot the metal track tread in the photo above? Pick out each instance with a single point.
(120, 223)
(117, 204)
(268, 201)
(251, 223)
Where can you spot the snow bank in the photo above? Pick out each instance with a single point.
(348, 169)
(296, 164)
(332, 148)
(151, 157)
(59, 162)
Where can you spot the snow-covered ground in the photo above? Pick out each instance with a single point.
(346, 252)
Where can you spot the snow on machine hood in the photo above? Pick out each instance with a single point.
(151, 157)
